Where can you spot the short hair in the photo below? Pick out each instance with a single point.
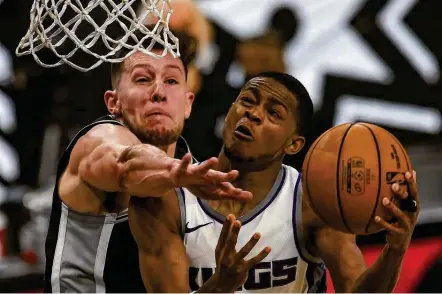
(187, 46)
(304, 106)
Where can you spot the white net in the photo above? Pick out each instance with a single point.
(86, 33)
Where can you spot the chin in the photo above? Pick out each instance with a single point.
(157, 128)
(238, 155)
(159, 135)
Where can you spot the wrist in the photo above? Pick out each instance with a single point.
(172, 164)
(218, 285)
(398, 252)
(215, 285)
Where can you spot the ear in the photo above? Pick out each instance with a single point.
(112, 103)
(294, 145)
(190, 97)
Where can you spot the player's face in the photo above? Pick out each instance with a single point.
(261, 124)
(154, 98)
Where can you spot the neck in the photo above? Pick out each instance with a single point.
(258, 181)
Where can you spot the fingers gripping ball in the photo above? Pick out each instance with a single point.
(348, 171)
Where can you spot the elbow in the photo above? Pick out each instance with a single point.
(84, 169)
(101, 168)
(122, 176)
(124, 168)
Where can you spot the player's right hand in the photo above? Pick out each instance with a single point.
(205, 181)
(232, 270)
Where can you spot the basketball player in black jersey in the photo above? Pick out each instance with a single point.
(263, 125)
(89, 246)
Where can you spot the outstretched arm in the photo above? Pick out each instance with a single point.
(110, 158)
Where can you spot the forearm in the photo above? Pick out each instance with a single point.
(382, 276)
(146, 171)
(139, 170)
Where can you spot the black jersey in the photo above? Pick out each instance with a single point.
(91, 253)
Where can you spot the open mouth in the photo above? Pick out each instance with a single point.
(244, 133)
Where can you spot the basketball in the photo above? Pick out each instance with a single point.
(347, 172)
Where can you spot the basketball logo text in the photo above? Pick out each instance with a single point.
(395, 156)
(355, 176)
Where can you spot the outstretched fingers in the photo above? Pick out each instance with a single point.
(227, 191)
(233, 236)
(412, 186)
(214, 176)
(184, 164)
(389, 227)
(205, 166)
(248, 247)
(224, 236)
(403, 224)
(258, 258)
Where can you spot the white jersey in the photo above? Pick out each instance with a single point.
(288, 267)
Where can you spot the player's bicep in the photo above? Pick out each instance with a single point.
(341, 256)
(154, 223)
(165, 268)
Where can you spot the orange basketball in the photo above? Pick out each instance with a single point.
(347, 172)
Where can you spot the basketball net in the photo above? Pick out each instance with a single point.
(54, 26)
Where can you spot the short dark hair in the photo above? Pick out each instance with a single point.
(304, 102)
(187, 46)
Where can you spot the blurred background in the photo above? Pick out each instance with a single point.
(377, 61)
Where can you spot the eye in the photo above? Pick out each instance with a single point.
(142, 80)
(172, 81)
(274, 113)
(246, 101)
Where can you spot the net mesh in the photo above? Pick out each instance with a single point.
(98, 28)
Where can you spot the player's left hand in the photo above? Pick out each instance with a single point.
(232, 269)
(399, 233)
(205, 181)
(219, 191)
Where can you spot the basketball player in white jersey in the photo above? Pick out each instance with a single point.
(265, 123)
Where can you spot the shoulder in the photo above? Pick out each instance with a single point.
(107, 132)
(318, 235)
(291, 171)
(292, 178)
(103, 134)
(311, 223)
